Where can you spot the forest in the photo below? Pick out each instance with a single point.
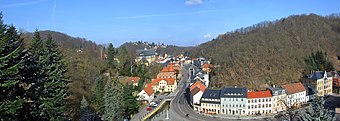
(272, 52)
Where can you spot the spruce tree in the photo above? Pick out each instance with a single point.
(111, 52)
(55, 90)
(97, 95)
(316, 112)
(49, 90)
(11, 63)
(130, 102)
(113, 101)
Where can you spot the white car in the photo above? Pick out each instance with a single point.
(153, 104)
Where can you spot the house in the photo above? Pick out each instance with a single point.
(164, 84)
(296, 94)
(279, 95)
(206, 67)
(204, 78)
(259, 102)
(147, 94)
(233, 101)
(148, 54)
(197, 91)
(167, 72)
(321, 81)
(336, 82)
(132, 81)
(210, 102)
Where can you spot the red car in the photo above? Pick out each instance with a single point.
(148, 108)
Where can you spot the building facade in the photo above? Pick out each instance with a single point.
(259, 102)
(233, 101)
(279, 95)
(320, 81)
(296, 94)
(210, 102)
(164, 84)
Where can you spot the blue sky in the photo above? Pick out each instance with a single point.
(177, 22)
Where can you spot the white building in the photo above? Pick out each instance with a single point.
(146, 95)
(259, 102)
(296, 94)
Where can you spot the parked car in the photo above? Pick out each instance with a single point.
(153, 104)
(148, 109)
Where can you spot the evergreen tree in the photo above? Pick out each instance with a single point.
(318, 62)
(11, 63)
(130, 102)
(111, 52)
(49, 90)
(113, 101)
(97, 95)
(316, 112)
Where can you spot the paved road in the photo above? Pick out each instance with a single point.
(179, 106)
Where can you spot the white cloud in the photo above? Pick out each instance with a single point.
(206, 36)
(193, 2)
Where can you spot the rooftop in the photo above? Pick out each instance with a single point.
(234, 92)
(170, 81)
(259, 94)
(146, 52)
(148, 89)
(198, 85)
(212, 94)
(294, 88)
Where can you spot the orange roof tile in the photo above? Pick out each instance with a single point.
(199, 85)
(169, 68)
(170, 81)
(148, 89)
(206, 65)
(130, 80)
(294, 88)
(259, 94)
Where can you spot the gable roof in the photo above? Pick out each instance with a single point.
(294, 87)
(170, 81)
(146, 52)
(168, 68)
(131, 80)
(234, 92)
(279, 90)
(206, 65)
(148, 89)
(198, 86)
(212, 94)
(195, 91)
(319, 75)
(259, 94)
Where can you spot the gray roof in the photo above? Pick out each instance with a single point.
(144, 52)
(319, 75)
(211, 94)
(279, 90)
(234, 92)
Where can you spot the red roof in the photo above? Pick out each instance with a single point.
(259, 94)
(199, 85)
(169, 68)
(130, 80)
(170, 81)
(206, 65)
(294, 88)
(148, 89)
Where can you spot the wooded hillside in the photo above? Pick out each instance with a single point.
(272, 52)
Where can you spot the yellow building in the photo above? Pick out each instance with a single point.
(146, 55)
(164, 84)
(320, 81)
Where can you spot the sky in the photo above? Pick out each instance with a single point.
(173, 22)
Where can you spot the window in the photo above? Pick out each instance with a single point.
(248, 106)
(248, 101)
(242, 99)
(259, 100)
(236, 99)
